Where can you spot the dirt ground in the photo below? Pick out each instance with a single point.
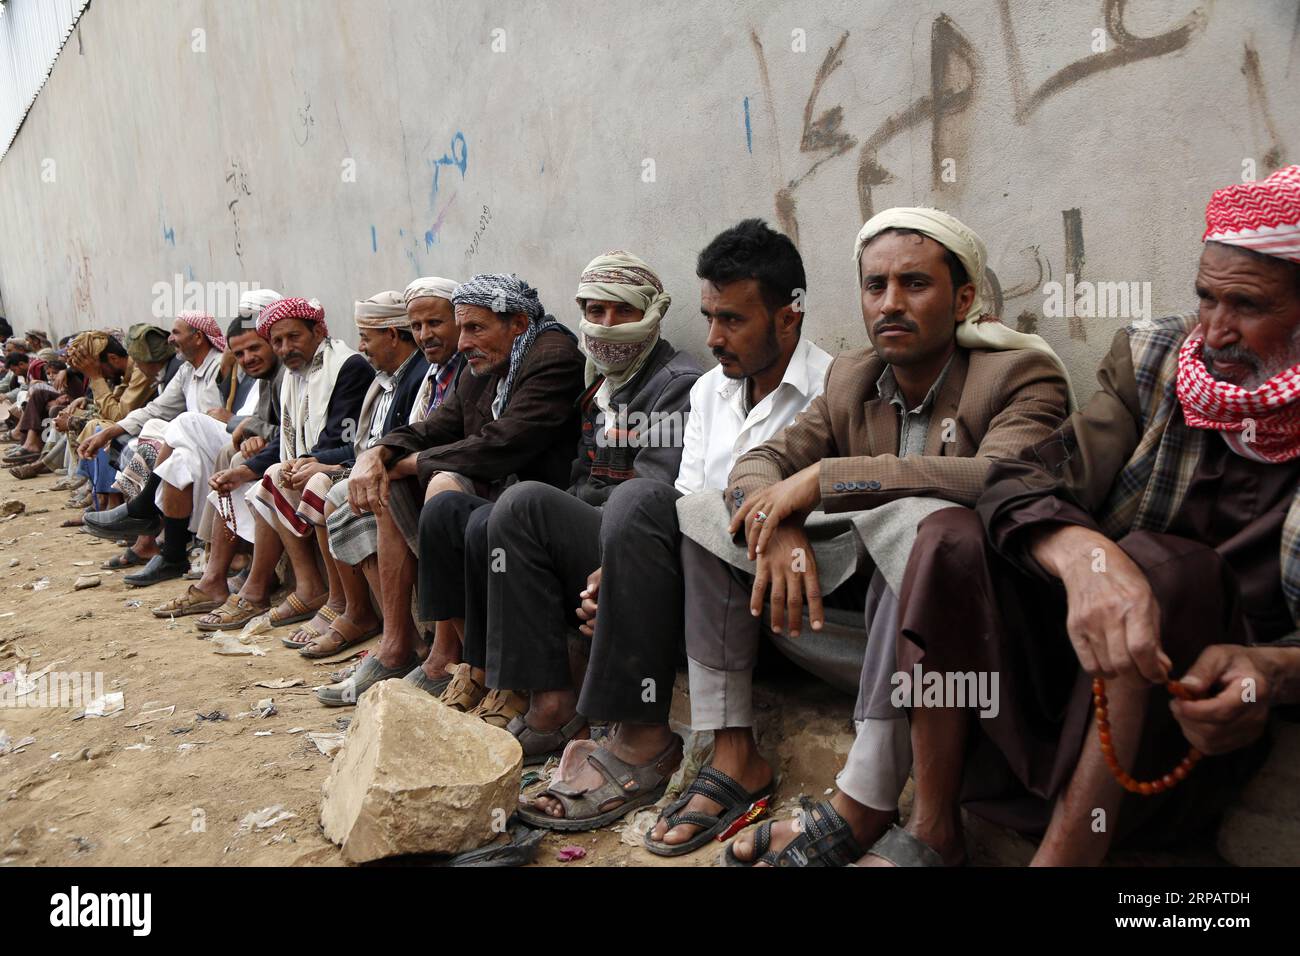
(97, 792)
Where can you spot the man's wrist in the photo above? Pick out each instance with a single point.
(1281, 670)
(1059, 549)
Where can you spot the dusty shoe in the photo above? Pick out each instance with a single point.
(500, 707)
(463, 692)
(32, 470)
(69, 483)
(348, 692)
(422, 681)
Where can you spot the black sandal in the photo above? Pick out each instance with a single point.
(738, 807)
(824, 839)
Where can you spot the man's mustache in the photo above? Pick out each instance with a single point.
(474, 354)
(897, 322)
(1232, 355)
(720, 354)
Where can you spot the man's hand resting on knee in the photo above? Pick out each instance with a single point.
(1114, 620)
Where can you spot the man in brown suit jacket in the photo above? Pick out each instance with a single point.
(922, 413)
(514, 417)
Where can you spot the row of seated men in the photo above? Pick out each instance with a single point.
(1073, 612)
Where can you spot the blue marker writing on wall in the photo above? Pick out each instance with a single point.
(458, 158)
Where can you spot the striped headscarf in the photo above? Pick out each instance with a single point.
(206, 325)
(294, 307)
(1262, 216)
(507, 295)
(618, 352)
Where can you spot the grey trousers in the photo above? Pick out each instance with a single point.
(722, 639)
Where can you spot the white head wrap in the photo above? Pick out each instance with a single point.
(427, 286)
(976, 329)
(383, 310)
(252, 303)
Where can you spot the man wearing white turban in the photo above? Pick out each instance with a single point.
(942, 391)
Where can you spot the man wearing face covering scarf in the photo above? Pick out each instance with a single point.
(515, 670)
(942, 392)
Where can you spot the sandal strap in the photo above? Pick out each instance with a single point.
(902, 849)
(717, 786)
(825, 838)
(630, 778)
(714, 785)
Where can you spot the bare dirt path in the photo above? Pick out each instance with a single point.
(97, 792)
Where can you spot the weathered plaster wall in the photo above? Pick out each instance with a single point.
(146, 157)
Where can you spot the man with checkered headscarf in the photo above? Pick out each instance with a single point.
(513, 416)
(1153, 539)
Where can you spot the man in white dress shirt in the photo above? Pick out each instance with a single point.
(751, 296)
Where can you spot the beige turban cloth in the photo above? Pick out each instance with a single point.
(619, 352)
(90, 343)
(383, 310)
(430, 286)
(252, 303)
(975, 330)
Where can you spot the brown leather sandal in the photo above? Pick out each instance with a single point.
(626, 787)
(299, 610)
(326, 614)
(501, 708)
(464, 692)
(342, 633)
(236, 612)
(193, 601)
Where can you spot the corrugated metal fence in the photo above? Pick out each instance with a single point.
(32, 32)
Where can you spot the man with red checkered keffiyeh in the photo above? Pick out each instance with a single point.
(1155, 537)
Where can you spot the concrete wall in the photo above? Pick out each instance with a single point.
(224, 156)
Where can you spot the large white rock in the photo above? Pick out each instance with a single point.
(415, 776)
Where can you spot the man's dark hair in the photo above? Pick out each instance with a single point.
(113, 347)
(240, 325)
(405, 335)
(753, 250)
(63, 342)
(955, 268)
(6, 330)
(14, 359)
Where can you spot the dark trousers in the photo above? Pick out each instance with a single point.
(533, 552)
(441, 580)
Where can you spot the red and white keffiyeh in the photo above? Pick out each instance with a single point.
(1262, 216)
(1261, 423)
(291, 308)
(207, 325)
